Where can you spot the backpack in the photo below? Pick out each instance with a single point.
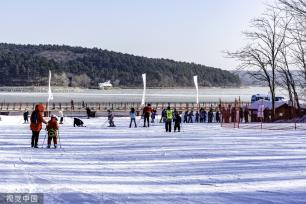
(52, 133)
(34, 117)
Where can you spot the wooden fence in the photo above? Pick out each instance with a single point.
(102, 107)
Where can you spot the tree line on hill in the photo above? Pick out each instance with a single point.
(28, 65)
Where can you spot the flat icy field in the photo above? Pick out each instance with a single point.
(203, 164)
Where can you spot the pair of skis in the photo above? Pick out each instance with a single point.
(59, 138)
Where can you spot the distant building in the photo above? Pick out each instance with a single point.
(267, 97)
(105, 85)
(282, 110)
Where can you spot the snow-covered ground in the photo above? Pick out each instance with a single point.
(203, 164)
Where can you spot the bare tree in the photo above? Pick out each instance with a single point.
(284, 72)
(262, 53)
(297, 10)
(299, 47)
(288, 79)
(298, 7)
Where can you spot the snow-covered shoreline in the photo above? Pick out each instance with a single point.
(206, 94)
(203, 164)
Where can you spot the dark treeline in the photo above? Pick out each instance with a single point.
(76, 66)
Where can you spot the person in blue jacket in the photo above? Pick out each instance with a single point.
(133, 117)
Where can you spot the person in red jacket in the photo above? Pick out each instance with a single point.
(146, 115)
(52, 128)
(36, 123)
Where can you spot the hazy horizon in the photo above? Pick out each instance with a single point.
(190, 31)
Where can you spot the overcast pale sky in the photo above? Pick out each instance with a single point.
(185, 30)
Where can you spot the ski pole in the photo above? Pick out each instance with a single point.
(59, 139)
(44, 140)
(104, 122)
(139, 121)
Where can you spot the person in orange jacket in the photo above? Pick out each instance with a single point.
(36, 123)
(146, 115)
(52, 128)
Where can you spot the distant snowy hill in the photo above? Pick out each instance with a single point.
(246, 79)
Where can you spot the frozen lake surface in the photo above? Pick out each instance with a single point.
(203, 164)
(135, 95)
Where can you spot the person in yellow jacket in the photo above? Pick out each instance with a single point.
(169, 117)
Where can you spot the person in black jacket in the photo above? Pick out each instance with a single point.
(210, 116)
(177, 122)
(186, 117)
(197, 115)
(217, 116)
(190, 117)
(88, 111)
(241, 114)
(163, 116)
(26, 116)
(246, 115)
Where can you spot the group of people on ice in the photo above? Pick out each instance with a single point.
(201, 116)
(232, 114)
(170, 117)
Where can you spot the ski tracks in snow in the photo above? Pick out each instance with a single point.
(202, 164)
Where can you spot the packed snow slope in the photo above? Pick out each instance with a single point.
(203, 164)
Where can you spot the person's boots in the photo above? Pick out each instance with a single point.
(48, 146)
(35, 144)
(32, 142)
